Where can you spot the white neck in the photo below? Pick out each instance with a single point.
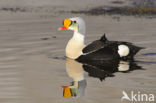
(75, 45)
(78, 36)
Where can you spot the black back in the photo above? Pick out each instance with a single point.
(103, 49)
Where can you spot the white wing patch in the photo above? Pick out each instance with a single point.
(123, 50)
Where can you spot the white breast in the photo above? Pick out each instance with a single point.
(75, 46)
(123, 50)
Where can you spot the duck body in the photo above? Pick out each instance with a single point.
(103, 49)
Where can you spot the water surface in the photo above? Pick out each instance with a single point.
(33, 64)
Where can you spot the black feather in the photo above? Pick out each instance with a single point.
(103, 38)
(103, 49)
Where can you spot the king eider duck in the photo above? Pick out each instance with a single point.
(101, 49)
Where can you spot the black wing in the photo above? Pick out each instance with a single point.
(95, 45)
(108, 52)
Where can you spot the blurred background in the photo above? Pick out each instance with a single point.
(139, 6)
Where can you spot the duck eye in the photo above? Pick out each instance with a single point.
(74, 21)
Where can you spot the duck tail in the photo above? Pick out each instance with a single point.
(103, 38)
(137, 49)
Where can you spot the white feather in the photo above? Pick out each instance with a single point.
(123, 50)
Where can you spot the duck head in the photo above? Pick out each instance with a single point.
(75, 24)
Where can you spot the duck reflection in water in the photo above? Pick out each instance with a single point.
(103, 69)
(75, 70)
(96, 69)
